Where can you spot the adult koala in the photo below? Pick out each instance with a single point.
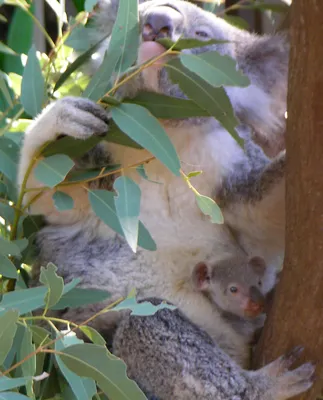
(248, 185)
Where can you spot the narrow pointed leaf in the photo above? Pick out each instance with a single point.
(182, 44)
(63, 201)
(6, 50)
(93, 335)
(53, 282)
(8, 324)
(210, 208)
(214, 68)
(127, 204)
(102, 202)
(28, 367)
(107, 370)
(145, 129)
(53, 170)
(214, 100)
(32, 85)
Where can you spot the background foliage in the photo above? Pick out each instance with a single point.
(44, 361)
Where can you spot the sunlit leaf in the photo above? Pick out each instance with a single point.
(145, 129)
(210, 208)
(7, 50)
(53, 282)
(53, 170)
(62, 201)
(93, 335)
(214, 68)
(107, 370)
(32, 85)
(8, 324)
(127, 204)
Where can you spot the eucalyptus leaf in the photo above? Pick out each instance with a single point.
(214, 100)
(53, 170)
(210, 208)
(9, 154)
(28, 367)
(7, 268)
(7, 50)
(8, 323)
(7, 247)
(33, 85)
(54, 284)
(80, 297)
(214, 68)
(186, 43)
(13, 396)
(127, 204)
(89, 5)
(62, 201)
(11, 383)
(93, 335)
(107, 370)
(145, 129)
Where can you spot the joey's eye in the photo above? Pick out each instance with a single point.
(233, 289)
(201, 34)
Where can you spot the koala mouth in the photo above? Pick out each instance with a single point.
(149, 50)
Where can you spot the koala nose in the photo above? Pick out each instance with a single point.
(161, 22)
(256, 296)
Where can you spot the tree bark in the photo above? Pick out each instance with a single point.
(296, 316)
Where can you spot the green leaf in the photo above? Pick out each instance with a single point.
(167, 107)
(9, 154)
(11, 383)
(145, 129)
(27, 300)
(125, 35)
(209, 207)
(53, 170)
(77, 63)
(141, 171)
(81, 175)
(32, 85)
(93, 335)
(28, 367)
(8, 323)
(7, 212)
(5, 91)
(7, 268)
(142, 309)
(53, 282)
(7, 248)
(15, 347)
(236, 21)
(214, 100)
(194, 173)
(127, 204)
(40, 335)
(7, 50)
(12, 396)
(80, 297)
(83, 388)
(182, 44)
(63, 201)
(102, 203)
(214, 68)
(89, 5)
(107, 370)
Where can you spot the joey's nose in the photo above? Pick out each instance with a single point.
(161, 22)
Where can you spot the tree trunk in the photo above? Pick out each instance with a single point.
(296, 316)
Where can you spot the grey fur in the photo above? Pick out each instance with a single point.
(171, 358)
(78, 243)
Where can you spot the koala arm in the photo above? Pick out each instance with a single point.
(75, 117)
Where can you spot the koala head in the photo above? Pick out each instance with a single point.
(236, 285)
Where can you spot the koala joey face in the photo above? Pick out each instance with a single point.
(235, 285)
(174, 19)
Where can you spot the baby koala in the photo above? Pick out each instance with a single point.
(237, 286)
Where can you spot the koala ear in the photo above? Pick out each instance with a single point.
(201, 276)
(258, 265)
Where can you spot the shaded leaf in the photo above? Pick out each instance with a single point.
(53, 282)
(145, 129)
(216, 69)
(12, 396)
(102, 202)
(79, 175)
(7, 247)
(209, 207)
(53, 170)
(7, 268)
(28, 367)
(15, 347)
(32, 85)
(236, 21)
(214, 100)
(80, 297)
(8, 323)
(93, 335)
(127, 204)
(62, 201)
(107, 370)
(5, 91)
(89, 5)
(182, 44)
(7, 50)
(83, 388)
(167, 107)
(11, 383)
(7, 212)
(143, 308)
(40, 335)
(9, 154)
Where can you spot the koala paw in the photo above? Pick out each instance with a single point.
(78, 117)
(289, 383)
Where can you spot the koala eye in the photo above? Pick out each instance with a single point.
(233, 289)
(201, 34)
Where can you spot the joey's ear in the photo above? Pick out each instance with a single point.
(201, 276)
(258, 265)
